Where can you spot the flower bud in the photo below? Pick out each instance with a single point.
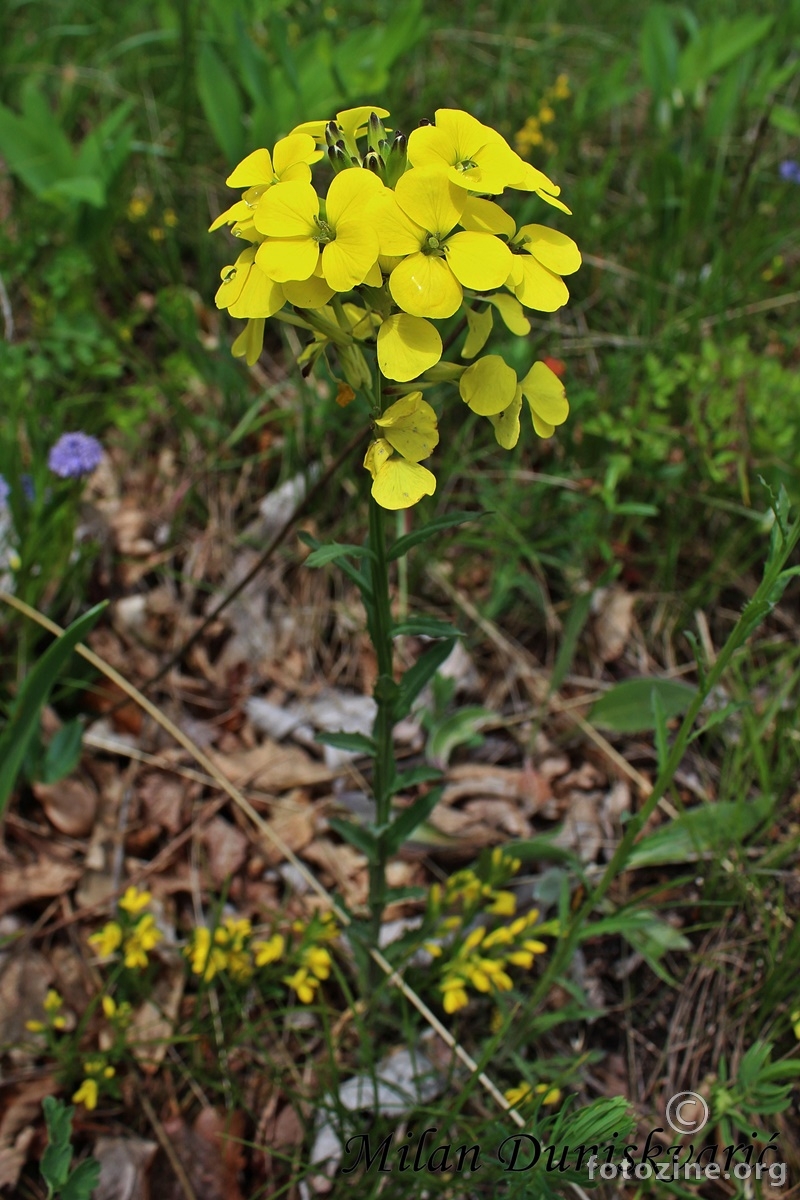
(337, 158)
(396, 161)
(375, 131)
(354, 366)
(373, 162)
(333, 133)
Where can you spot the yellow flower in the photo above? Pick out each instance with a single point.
(246, 291)
(409, 427)
(35, 1026)
(304, 984)
(289, 163)
(455, 995)
(473, 155)
(546, 398)
(269, 951)
(52, 1001)
(107, 940)
(504, 904)
(134, 901)
(540, 257)
(417, 221)
(488, 385)
(87, 1094)
(351, 121)
(302, 233)
(145, 937)
(518, 1095)
(109, 1007)
(318, 961)
(170, 218)
(407, 346)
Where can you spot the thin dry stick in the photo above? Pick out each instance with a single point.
(246, 807)
(168, 1148)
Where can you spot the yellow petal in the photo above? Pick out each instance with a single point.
(552, 249)
(546, 396)
(397, 233)
(543, 429)
(352, 120)
(478, 260)
(407, 346)
(260, 296)
(539, 288)
(409, 426)
(288, 210)
(308, 293)
(377, 454)
(506, 423)
(240, 211)
(234, 278)
(484, 216)
(349, 193)
(480, 326)
(510, 310)
(256, 168)
(399, 484)
(288, 258)
(531, 180)
(424, 286)
(373, 277)
(347, 260)
(488, 386)
(427, 196)
(250, 342)
(294, 150)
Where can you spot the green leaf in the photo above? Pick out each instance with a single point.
(659, 728)
(462, 728)
(357, 836)
(334, 552)
(405, 543)
(82, 1182)
(23, 722)
(699, 831)
(222, 103)
(785, 119)
(412, 778)
(358, 743)
(64, 752)
(421, 673)
(426, 627)
(628, 707)
(403, 826)
(58, 1152)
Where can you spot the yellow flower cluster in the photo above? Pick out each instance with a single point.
(412, 231)
(480, 958)
(54, 1019)
(532, 132)
(95, 1071)
(231, 948)
(524, 1094)
(135, 934)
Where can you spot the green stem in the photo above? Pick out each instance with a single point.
(384, 768)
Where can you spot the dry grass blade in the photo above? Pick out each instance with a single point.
(246, 807)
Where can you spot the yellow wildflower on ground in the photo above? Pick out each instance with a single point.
(145, 937)
(87, 1094)
(107, 940)
(266, 952)
(133, 901)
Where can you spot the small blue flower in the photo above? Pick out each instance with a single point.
(790, 171)
(5, 492)
(75, 454)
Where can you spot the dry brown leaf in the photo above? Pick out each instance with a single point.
(24, 980)
(162, 798)
(35, 881)
(124, 1165)
(280, 1135)
(613, 622)
(70, 805)
(581, 831)
(202, 1159)
(16, 1130)
(344, 865)
(475, 779)
(153, 1026)
(293, 819)
(272, 768)
(226, 849)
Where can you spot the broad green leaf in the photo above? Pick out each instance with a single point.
(24, 719)
(82, 1181)
(63, 753)
(628, 707)
(58, 1152)
(405, 543)
(421, 673)
(403, 826)
(701, 830)
(358, 743)
(334, 552)
(717, 45)
(785, 119)
(413, 777)
(222, 103)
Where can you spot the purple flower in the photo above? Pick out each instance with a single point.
(5, 492)
(74, 454)
(790, 171)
